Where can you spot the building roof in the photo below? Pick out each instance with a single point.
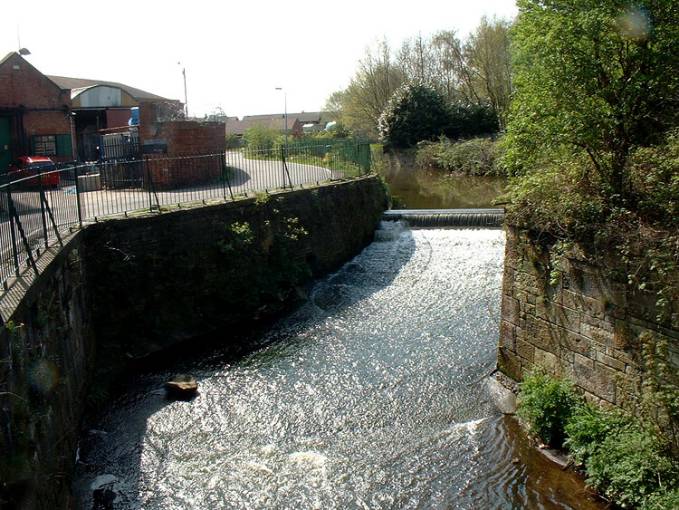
(67, 83)
(7, 57)
(276, 121)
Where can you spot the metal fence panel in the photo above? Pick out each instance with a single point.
(36, 210)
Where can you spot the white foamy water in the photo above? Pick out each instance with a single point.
(366, 397)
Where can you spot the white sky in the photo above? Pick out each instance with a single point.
(235, 52)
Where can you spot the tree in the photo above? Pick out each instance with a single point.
(593, 78)
(260, 138)
(364, 99)
(487, 65)
(413, 114)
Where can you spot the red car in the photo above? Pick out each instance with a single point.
(27, 166)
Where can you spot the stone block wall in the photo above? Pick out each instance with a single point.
(122, 289)
(586, 326)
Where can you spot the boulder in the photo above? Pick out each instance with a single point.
(182, 386)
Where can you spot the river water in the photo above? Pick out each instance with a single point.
(414, 187)
(370, 396)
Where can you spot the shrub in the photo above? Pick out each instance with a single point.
(588, 428)
(414, 113)
(260, 138)
(630, 466)
(477, 156)
(546, 404)
(663, 500)
(469, 120)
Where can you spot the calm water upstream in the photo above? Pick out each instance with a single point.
(369, 396)
(414, 187)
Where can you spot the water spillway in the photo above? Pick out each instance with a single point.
(437, 218)
(371, 395)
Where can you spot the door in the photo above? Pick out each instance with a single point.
(5, 140)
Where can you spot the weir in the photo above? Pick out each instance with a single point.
(436, 218)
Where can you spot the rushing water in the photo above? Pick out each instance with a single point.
(372, 395)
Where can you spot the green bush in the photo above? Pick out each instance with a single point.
(630, 466)
(663, 500)
(478, 156)
(260, 138)
(624, 458)
(546, 404)
(588, 427)
(414, 113)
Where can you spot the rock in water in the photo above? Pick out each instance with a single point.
(182, 386)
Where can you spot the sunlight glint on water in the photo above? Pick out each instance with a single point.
(367, 397)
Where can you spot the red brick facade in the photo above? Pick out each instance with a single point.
(183, 138)
(35, 106)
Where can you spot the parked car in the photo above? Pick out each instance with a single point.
(28, 166)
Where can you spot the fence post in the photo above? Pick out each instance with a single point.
(225, 177)
(150, 182)
(10, 207)
(77, 195)
(283, 164)
(42, 212)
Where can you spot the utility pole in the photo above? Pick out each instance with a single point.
(285, 105)
(186, 97)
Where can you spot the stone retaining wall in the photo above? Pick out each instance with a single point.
(586, 327)
(122, 289)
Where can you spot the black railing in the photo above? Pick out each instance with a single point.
(37, 210)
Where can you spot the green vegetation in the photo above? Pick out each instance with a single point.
(470, 73)
(623, 457)
(264, 266)
(592, 138)
(412, 114)
(478, 156)
(547, 404)
(417, 113)
(258, 138)
(233, 141)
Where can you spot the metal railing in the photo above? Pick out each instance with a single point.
(37, 210)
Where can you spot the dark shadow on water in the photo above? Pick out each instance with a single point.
(112, 445)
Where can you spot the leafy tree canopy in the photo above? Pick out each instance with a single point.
(592, 78)
(414, 113)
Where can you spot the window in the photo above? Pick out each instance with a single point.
(45, 145)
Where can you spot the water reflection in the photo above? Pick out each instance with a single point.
(420, 188)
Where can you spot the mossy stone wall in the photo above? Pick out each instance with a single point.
(586, 326)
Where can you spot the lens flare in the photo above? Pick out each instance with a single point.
(634, 25)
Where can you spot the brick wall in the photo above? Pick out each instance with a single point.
(182, 138)
(21, 84)
(36, 105)
(587, 327)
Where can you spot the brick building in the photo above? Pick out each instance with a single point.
(35, 113)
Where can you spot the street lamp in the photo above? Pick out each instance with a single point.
(285, 99)
(186, 97)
